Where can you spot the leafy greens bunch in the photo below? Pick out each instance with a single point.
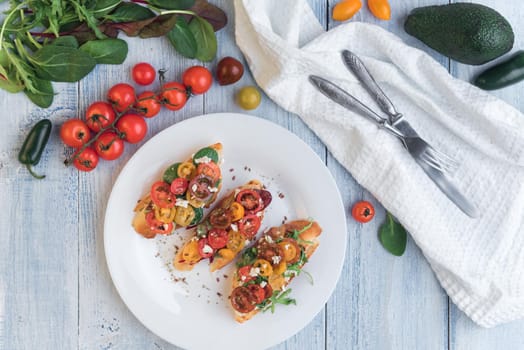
(63, 40)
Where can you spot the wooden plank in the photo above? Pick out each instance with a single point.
(39, 244)
(383, 301)
(464, 333)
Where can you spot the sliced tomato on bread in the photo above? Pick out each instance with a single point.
(231, 224)
(265, 269)
(178, 198)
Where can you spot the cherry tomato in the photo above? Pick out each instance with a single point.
(173, 96)
(147, 104)
(133, 127)
(229, 71)
(248, 97)
(74, 133)
(242, 300)
(258, 292)
(250, 200)
(109, 146)
(363, 211)
(269, 251)
(86, 161)
(197, 79)
(264, 266)
(237, 211)
(217, 238)
(179, 186)
(161, 195)
(157, 226)
(143, 73)
(200, 186)
(122, 96)
(268, 290)
(249, 225)
(266, 197)
(244, 273)
(220, 218)
(204, 249)
(290, 249)
(99, 115)
(210, 169)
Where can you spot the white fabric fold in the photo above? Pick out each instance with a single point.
(479, 262)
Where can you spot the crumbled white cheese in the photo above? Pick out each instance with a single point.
(204, 159)
(242, 278)
(247, 242)
(234, 227)
(207, 249)
(268, 239)
(194, 187)
(181, 203)
(276, 259)
(263, 284)
(259, 214)
(254, 272)
(284, 287)
(212, 189)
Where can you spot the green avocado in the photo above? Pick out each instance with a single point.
(468, 33)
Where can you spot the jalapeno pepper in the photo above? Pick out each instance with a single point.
(34, 145)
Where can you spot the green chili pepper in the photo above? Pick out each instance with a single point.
(34, 145)
(503, 74)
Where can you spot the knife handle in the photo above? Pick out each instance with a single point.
(355, 65)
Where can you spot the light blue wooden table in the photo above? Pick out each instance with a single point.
(55, 289)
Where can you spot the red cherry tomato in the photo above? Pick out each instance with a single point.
(133, 127)
(250, 200)
(147, 104)
(229, 71)
(363, 211)
(204, 249)
(242, 300)
(258, 292)
(99, 115)
(157, 226)
(143, 73)
(249, 225)
(109, 146)
(173, 96)
(220, 218)
(122, 96)
(243, 273)
(210, 169)
(74, 133)
(179, 186)
(217, 238)
(197, 79)
(161, 195)
(86, 161)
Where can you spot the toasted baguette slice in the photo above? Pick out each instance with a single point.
(266, 269)
(232, 224)
(146, 205)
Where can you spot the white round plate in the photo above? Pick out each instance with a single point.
(191, 309)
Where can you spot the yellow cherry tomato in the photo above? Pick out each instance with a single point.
(280, 268)
(380, 9)
(290, 251)
(248, 97)
(190, 253)
(237, 211)
(186, 170)
(184, 216)
(195, 202)
(346, 9)
(226, 254)
(265, 267)
(235, 241)
(165, 215)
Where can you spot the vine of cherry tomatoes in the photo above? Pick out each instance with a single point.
(109, 124)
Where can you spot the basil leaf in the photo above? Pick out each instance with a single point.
(62, 63)
(108, 51)
(172, 4)
(68, 40)
(45, 94)
(393, 236)
(211, 13)
(103, 7)
(159, 27)
(183, 39)
(130, 12)
(205, 38)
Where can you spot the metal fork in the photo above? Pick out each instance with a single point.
(426, 152)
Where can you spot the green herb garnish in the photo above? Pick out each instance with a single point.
(248, 257)
(278, 297)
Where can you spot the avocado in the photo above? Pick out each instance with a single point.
(466, 32)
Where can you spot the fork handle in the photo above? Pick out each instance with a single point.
(355, 65)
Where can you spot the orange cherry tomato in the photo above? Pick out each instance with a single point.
(363, 211)
(346, 9)
(380, 9)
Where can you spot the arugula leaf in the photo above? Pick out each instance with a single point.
(172, 4)
(183, 39)
(278, 297)
(248, 257)
(393, 236)
(108, 51)
(62, 63)
(205, 38)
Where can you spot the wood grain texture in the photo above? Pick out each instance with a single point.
(55, 288)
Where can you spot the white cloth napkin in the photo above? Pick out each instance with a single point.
(479, 262)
